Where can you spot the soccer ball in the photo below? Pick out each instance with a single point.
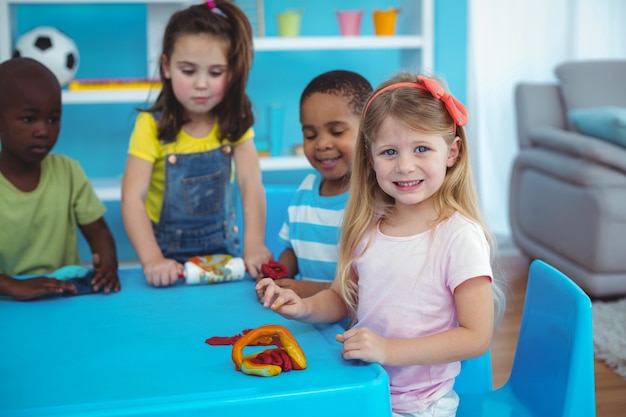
(52, 48)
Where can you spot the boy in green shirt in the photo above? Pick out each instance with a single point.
(43, 197)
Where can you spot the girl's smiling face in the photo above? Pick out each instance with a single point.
(410, 166)
(198, 69)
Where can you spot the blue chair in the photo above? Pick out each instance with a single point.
(475, 376)
(553, 367)
(278, 197)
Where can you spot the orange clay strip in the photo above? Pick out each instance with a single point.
(290, 345)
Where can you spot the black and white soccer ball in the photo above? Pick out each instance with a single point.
(51, 47)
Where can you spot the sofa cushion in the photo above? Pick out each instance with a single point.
(608, 123)
(593, 83)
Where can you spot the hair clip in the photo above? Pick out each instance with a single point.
(455, 108)
(215, 9)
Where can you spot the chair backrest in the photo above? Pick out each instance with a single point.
(537, 106)
(278, 198)
(592, 83)
(475, 376)
(553, 368)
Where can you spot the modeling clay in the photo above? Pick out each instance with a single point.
(70, 271)
(80, 276)
(83, 284)
(274, 270)
(230, 340)
(269, 362)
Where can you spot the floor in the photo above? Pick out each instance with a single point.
(610, 387)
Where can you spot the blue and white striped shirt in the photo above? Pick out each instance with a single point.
(312, 229)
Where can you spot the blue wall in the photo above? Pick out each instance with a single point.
(97, 134)
(451, 45)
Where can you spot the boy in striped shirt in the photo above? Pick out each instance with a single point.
(330, 111)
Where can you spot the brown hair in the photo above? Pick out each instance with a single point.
(229, 25)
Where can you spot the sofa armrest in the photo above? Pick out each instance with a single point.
(581, 146)
(538, 106)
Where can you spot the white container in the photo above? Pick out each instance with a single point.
(211, 269)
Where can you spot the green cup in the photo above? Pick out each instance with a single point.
(289, 22)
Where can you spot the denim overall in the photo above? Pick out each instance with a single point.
(198, 215)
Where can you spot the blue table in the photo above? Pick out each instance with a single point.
(142, 352)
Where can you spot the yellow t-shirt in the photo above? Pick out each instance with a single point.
(145, 144)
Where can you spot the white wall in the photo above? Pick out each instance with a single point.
(511, 41)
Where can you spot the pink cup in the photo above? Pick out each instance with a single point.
(349, 22)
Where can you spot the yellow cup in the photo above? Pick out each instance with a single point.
(289, 22)
(385, 22)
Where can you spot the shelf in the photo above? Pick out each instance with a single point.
(99, 1)
(138, 95)
(110, 189)
(267, 44)
(107, 189)
(300, 43)
(283, 163)
(157, 13)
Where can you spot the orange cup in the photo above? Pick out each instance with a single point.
(385, 22)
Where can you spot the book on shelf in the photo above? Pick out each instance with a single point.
(113, 84)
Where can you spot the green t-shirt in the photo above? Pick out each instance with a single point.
(38, 229)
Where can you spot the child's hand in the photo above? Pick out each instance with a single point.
(254, 258)
(106, 278)
(275, 270)
(283, 301)
(162, 272)
(364, 344)
(303, 288)
(259, 293)
(30, 288)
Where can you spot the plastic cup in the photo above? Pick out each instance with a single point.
(385, 22)
(349, 22)
(289, 23)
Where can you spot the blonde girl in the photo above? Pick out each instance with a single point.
(414, 271)
(176, 192)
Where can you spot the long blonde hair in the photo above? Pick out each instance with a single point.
(418, 110)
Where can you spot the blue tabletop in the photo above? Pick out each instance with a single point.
(142, 352)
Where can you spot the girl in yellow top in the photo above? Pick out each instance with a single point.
(176, 193)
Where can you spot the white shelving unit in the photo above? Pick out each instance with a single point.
(407, 43)
(302, 43)
(417, 49)
(109, 189)
(158, 13)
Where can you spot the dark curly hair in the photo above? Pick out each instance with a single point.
(342, 83)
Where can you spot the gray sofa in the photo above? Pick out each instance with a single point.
(568, 187)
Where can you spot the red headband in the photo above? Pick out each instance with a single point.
(455, 108)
